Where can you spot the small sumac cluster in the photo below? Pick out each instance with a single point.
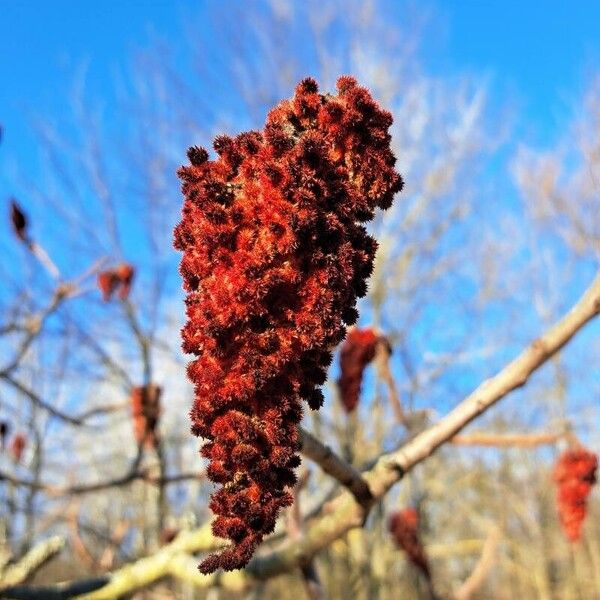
(118, 280)
(404, 528)
(145, 412)
(574, 474)
(357, 351)
(17, 446)
(275, 256)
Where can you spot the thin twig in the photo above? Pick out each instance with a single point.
(475, 580)
(520, 440)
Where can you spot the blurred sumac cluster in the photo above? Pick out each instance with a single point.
(145, 411)
(117, 280)
(403, 526)
(357, 351)
(574, 474)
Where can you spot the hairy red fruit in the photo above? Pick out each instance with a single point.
(404, 528)
(125, 273)
(574, 474)
(357, 351)
(108, 282)
(17, 446)
(145, 411)
(118, 279)
(274, 260)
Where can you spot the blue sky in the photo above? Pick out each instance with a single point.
(535, 54)
(538, 52)
(44, 44)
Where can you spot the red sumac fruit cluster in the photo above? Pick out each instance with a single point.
(145, 411)
(357, 351)
(274, 257)
(117, 280)
(574, 474)
(403, 525)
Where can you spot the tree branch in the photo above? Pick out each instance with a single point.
(87, 488)
(520, 440)
(475, 580)
(337, 467)
(382, 358)
(38, 556)
(77, 420)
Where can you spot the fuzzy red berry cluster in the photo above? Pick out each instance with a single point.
(118, 280)
(275, 256)
(357, 351)
(404, 528)
(574, 474)
(145, 411)
(18, 444)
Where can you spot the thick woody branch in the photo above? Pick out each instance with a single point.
(336, 467)
(513, 376)
(27, 566)
(60, 591)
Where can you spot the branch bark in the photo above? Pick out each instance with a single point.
(88, 488)
(475, 580)
(519, 440)
(336, 467)
(38, 556)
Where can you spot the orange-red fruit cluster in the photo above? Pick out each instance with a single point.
(357, 351)
(118, 279)
(17, 446)
(145, 411)
(404, 527)
(275, 256)
(574, 474)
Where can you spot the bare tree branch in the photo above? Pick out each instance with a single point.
(29, 564)
(475, 580)
(87, 488)
(336, 467)
(520, 440)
